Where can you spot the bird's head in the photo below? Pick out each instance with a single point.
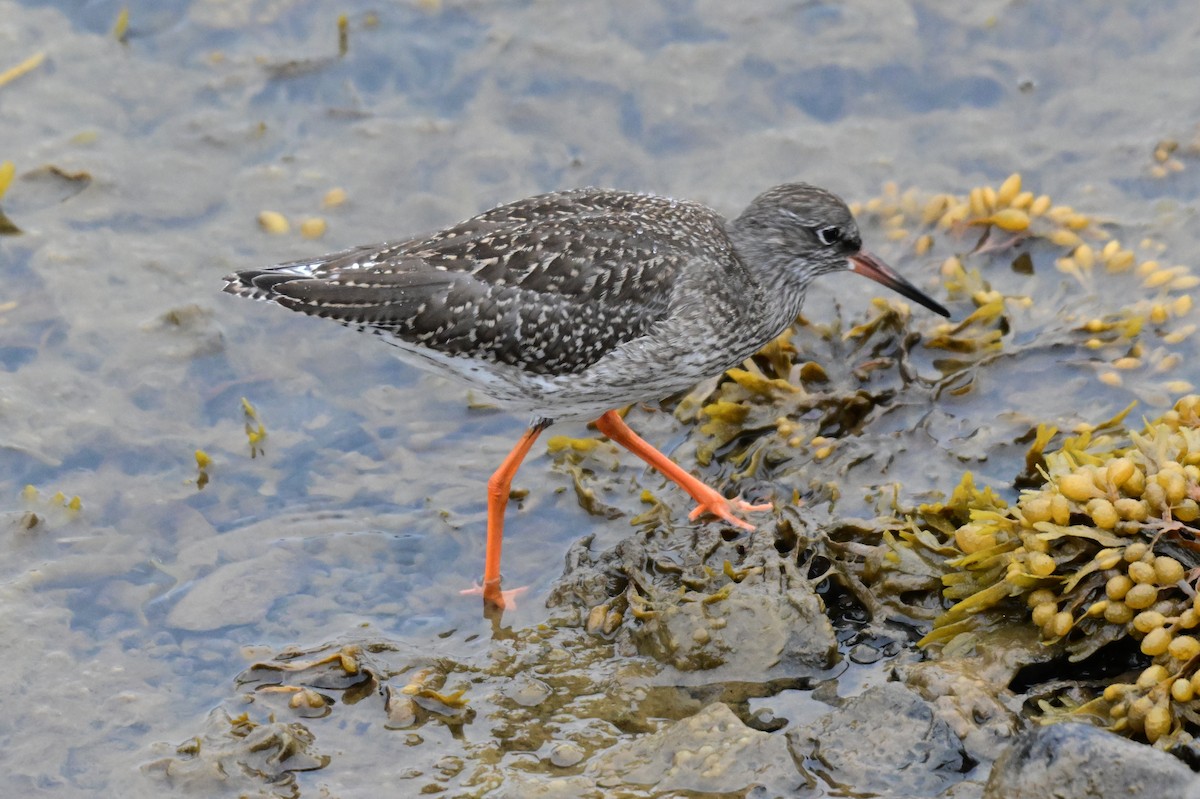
(809, 232)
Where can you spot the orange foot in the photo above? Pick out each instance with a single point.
(492, 595)
(712, 502)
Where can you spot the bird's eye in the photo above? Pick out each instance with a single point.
(829, 235)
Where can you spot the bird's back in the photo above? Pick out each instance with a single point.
(545, 286)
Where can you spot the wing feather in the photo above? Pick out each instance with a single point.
(547, 284)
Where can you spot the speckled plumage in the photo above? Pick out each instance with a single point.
(572, 303)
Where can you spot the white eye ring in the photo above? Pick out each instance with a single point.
(828, 235)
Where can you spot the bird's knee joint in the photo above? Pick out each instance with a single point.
(498, 490)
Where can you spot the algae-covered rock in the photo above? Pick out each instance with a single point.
(235, 755)
(712, 752)
(749, 632)
(886, 741)
(713, 609)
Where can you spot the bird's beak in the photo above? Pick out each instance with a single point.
(867, 265)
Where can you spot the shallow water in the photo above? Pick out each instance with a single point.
(127, 621)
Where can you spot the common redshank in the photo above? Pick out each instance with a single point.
(572, 304)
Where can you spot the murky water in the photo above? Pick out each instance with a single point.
(141, 169)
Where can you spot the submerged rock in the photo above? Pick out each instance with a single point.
(237, 755)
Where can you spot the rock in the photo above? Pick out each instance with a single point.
(757, 632)
(712, 752)
(970, 697)
(519, 785)
(243, 590)
(715, 611)
(1079, 761)
(885, 741)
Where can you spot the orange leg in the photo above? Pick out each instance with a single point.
(708, 499)
(499, 487)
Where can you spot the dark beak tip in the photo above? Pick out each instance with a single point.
(867, 265)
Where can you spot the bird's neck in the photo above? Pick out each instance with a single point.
(773, 269)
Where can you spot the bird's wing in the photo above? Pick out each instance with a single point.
(546, 284)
